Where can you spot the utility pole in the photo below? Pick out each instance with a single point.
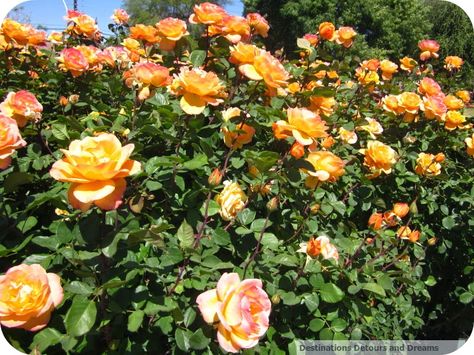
(75, 5)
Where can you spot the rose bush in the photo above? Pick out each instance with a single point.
(161, 192)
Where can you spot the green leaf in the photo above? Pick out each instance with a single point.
(448, 222)
(338, 324)
(80, 317)
(46, 338)
(189, 317)
(79, 288)
(330, 293)
(182, 338)
(326, 334)
(375, 288)
(430, 281)
(27, 224)
(135, 320)
(312, 302)
(15, 180)
(466, 297)
(269, 240)
(198, 162)
(262, 160)
(185, 235)
(198, 340)
(246, 216)
(221, 237)
(59, 131)
(197, 57)
(316, 325)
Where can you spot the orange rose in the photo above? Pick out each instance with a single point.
(72, 60)
(401, 209)
(82, 24)
(55, 37)
(198, 88)
(327, 31)
(266, 67)
(327, 167)
(345, 36)
(349, 137)
(453, 62)
(371, 64)
(429, 49)
(379, 158)
(258, 24)
(28, 295)
(22, 106)
(241, 308)
(208, 14)
(304, 125)
(434, 107)
(312, 38)
(148, 34)
(426, 165)
(172, 30)
(120, 17)
(390, 104)
(388, 68)
(409, 101)
(10, 140)
(322, 105)
(326, 143)
(235, 29)
(407, 63)
(320, 245)
(236, 139)
(367, 77)
(96, 167)
(453, 103)
(453, 120)
(297, 150)
(374, 128)
(470, 145)
(464, 96)
(16, 32)
(147, 76)
(243, 53)
(376, 220)
(429, 87)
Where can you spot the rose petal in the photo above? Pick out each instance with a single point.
(207, 303)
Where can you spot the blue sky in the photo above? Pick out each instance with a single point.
(50, 13)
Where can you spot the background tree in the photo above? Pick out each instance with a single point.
(151, 11)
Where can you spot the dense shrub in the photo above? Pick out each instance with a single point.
(171, 182)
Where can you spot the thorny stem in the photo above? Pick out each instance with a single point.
(257, 248)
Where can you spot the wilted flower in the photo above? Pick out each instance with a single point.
(349, 137)
(241, 309)
(374, 128)
(232, 200)
(28, 296)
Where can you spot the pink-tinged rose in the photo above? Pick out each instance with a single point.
(208, 14)
(96, 167)
(28, 295)
(258, 24)
(22, 106)
(74, 61)
(429, 49)
(120, 17)
(241, 308)
(10, 140)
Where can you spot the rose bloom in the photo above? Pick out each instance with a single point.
(390, 104)
(453, 120)
(400, 209)
(427, 165)
(146, 75)
(243, 134)
(388, 68)
(453, 103)
(367, 77)
(55, 37)
(370, 64)
(15, 31)
(313, 39)
(91, 53)
(10, 140)
(258, 24)
(345, 36)
(464, 96)
(208, 14)
(376, 220)
(327, 31)
(241, 308)
(36, 38)
(429, 87)
(379, 158)
(243, 53)
(22, 106)
(374, 128)
(327, 167)
(429, 49)
(148, 34)
(303, 124)
(297, 150)
(28, 295)
(232, 200)
(235, 29)
(171, 30)
(294, 87)
(405, 232)
(96, 167)
(319, 246)
(120, 17)
(407, 63)
(470, 145)
(72, 60)
(453, 62)
(409, 101)
(349, 137)
(198, 88)
(434, 107)
(82, 24)
(322, 105)
(266, 67)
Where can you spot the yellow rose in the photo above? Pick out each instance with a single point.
(232, 200)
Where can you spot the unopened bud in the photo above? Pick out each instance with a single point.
(136, 205)
(63, 101)
(276, 298)
(215, 178)
(432, 241)
(73, 99)
(253, 171)
(439, 157)
(315, 208)
(272, 205)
